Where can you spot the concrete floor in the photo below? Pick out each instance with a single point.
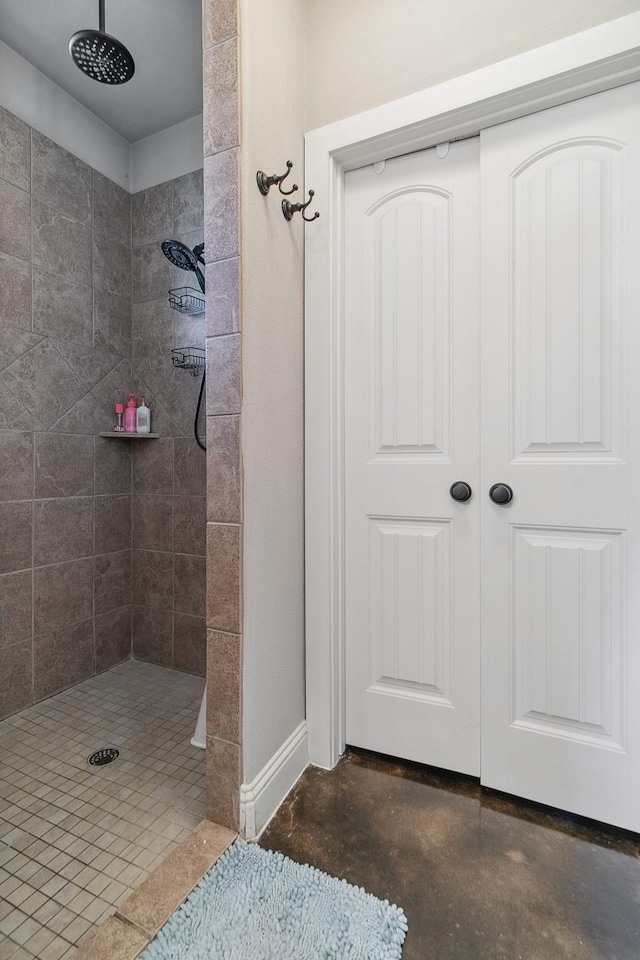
(479, 875)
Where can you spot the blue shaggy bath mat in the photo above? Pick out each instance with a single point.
(257, 905)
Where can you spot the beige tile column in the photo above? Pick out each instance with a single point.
(224, 473)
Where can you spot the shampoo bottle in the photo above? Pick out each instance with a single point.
(130, 415)
(119, 427)
(143, 418)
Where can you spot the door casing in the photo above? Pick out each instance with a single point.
(598, 59)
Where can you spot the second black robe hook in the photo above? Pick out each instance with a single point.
(289, 209)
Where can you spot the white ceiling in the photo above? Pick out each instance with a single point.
(163, 36)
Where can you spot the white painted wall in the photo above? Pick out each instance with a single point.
(167, 154)
(32, 96)
(45, 106)
(272, 372)
(365, 53)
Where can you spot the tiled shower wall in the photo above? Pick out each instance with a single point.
(65, 343)
(67, 514)
(169, 505)
(224, 471)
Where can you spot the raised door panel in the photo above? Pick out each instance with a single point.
(567, 633)
(564, 226)
(410, 363)
(410, 608)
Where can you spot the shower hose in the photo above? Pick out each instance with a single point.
(198, 406)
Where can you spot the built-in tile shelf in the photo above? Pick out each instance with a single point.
(130, 436)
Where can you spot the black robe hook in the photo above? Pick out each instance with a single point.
(288, 209)
(265, 182)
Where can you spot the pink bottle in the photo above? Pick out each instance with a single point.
(130, 415)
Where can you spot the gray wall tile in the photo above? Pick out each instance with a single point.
(113, 523)
(60, 178)
(13, 415)
(16, 673)
(152, 329)
(188, 203)
(111, 265)
(112, 322)
(224, 489)
(113, 389)
(152, 523)
(90, 364)
(62, 529)
(15, 536)
(62, 658)
(151, 273)
(221, 205)
(44, 383)
(15, 607)
(219, 21)
(112, 581)
(61, 309)
(220, 107)
(224, 776)
(16, 465)
(190, 468)
(223, 297)
(60, 244)
(15, 222)
(190, 525)
(111, 209)
(15, 292)
(63, 466)
(112, 638)
(112, 466)
(14, 343)
(153, 466)
(189, 644)
(189, 581)
(152, 635)
(151, 214)
(223, 712)
(63, 594)
(85, 417)
(15, 150)
(152, 579)
(224, 375)
(189, 331)
(223, 591)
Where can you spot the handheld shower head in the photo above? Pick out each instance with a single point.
(180, 255)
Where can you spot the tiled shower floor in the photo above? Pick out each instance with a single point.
(75, 840)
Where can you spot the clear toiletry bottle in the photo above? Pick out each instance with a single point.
(143, 418)
(119, 427)
(130, 415)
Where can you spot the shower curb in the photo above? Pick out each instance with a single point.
(137, 920)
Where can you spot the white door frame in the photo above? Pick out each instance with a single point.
(598, 59)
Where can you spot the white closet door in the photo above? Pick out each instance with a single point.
(411, 431)
(561, 427)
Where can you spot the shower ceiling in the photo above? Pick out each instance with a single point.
(164, 37)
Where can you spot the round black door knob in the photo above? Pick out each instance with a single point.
(460, 491)
(501, 493)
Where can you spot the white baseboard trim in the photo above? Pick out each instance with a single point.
(260, 799)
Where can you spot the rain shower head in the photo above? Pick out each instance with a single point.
(180, 255)
(100, 56)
